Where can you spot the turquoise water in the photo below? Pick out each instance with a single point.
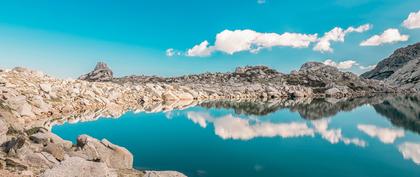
(363, 140)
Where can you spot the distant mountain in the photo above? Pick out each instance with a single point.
(397, 60)
(402, 68)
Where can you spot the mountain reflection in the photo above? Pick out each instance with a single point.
(402, 111)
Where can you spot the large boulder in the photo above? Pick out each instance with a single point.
(112, 155)
(101, 73)
(76, 166)
(397, 60)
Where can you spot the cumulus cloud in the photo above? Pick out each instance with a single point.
(385, 135)
(347, 64)
(410, 150)
(231, 42)
(412, 21)
(341, 65)
(337, 34)
(369, 67)
(391, 35)
(172, 52)
(201, 50)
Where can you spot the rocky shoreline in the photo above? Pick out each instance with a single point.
(32, 102)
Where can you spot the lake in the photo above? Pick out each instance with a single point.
(376, 136)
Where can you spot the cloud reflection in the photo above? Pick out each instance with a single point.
(385, 135)
(231, 127)
(410, 150)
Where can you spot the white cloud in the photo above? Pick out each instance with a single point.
(337, 34)
(261, 1)
(172, 52)
(390, 35)
(411, 151)
(341, 65)
(369, 67)
(412, 21)
(385, 135)
(201, 50)
(231, 42)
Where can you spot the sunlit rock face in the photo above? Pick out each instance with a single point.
(400, 69)
(393, 63)
(411, 151)
(385, 135)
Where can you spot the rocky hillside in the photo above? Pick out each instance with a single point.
(313, 78)
(397, 60)
(400, 69)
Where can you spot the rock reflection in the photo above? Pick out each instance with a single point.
(402, 111)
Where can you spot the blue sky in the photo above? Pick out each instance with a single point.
(66, 39)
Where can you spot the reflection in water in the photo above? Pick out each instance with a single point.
(232, 127)
(402, 111)
(386, 135)
(378, 136)
(411, 151)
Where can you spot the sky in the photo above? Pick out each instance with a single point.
(169, 38)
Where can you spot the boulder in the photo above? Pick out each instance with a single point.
(104, 151)
(76, 166)
(55, 150)
(46, 87)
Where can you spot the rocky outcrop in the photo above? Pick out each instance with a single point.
(397, 60)
(407, 77)
(101, 73)
(329, 81)
(103, 151)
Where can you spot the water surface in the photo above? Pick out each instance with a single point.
(357, 137)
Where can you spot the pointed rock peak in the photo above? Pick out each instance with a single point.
(101, 65)
(101, 73)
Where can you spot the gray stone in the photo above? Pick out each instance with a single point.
(114, 156)
(76, 166)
